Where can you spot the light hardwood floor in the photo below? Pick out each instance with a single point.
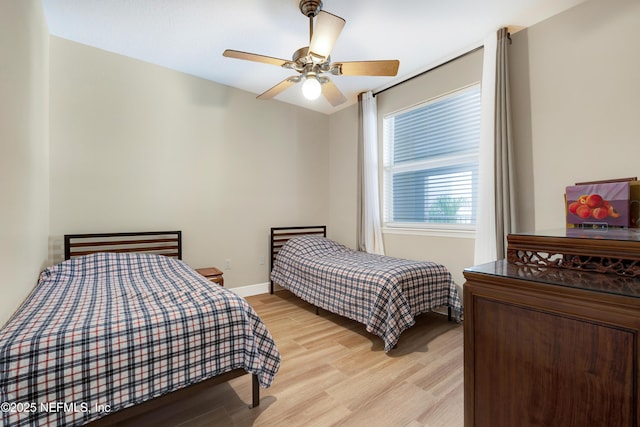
(334, 372)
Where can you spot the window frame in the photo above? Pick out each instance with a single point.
(423, 228)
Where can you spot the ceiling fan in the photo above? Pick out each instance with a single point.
(312, 61)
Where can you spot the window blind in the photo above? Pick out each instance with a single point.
(431, 161)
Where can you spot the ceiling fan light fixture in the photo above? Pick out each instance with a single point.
(311, 88)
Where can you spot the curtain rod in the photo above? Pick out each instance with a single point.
(429, 70)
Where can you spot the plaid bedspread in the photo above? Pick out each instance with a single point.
(383, 293)
(106, 331)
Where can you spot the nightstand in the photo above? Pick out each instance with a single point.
(213, 274)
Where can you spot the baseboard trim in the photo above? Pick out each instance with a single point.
(250, 290)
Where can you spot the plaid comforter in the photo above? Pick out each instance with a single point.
(106, 331)
(382, 292)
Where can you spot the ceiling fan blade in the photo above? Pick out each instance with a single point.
(279, 88)
(254, 57)
(368, 68)
(332, 93)
(325, 34)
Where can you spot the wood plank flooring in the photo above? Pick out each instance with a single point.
(334, 372)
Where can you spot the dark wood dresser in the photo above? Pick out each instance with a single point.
(549, 340)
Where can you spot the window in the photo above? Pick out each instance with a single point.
(430, 160)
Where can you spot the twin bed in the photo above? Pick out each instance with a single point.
(383, 293)
(104, 334)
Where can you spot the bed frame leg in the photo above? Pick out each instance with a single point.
(449, 314)
(317, 311)
(255, 391)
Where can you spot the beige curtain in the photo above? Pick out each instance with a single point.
(505, 174)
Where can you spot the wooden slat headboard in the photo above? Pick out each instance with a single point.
(280, 236)
(168, 243)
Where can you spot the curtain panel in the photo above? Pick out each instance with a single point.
(496, 210)
(369, 223)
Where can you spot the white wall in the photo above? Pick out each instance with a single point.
(24, 152)
(343, 176)
(139, 147)
(575, 92)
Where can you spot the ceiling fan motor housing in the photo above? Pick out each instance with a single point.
(302, 61)
(310, 8)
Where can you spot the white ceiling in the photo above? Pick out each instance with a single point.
(190, 35)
